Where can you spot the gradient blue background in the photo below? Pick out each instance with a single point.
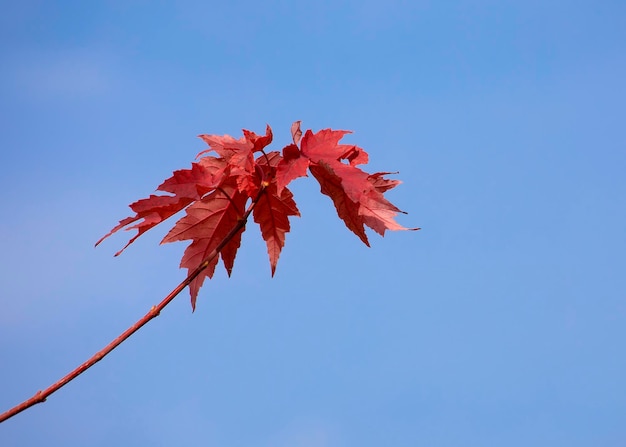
(501, 323)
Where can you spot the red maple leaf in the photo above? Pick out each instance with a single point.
(272, 213)
(357, 195)
(215, 191)
(206, 223)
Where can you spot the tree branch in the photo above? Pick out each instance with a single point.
(41, 396)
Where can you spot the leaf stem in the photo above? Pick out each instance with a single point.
(230, 199)
(42, 395)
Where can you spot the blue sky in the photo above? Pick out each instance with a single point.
(501, 323)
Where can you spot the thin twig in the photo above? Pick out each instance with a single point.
(41, 396)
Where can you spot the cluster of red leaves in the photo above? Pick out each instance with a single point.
(217, 189)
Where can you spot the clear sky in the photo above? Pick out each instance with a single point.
(501, 323)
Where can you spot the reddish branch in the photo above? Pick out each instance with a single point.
(42, 395)
(215, 191)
